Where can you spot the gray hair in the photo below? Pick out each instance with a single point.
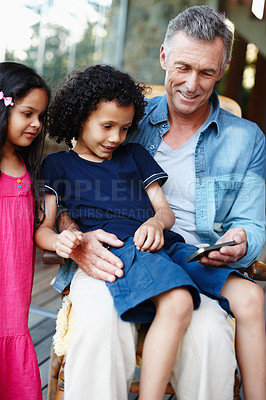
(202, 23)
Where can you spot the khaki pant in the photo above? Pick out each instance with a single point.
(100, 361)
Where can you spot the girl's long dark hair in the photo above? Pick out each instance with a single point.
(16, 81)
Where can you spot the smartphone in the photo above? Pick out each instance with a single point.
(203, 251)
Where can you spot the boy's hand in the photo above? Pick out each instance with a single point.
(67, 241)
(149, 236)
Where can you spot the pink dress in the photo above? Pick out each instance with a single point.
(19, 372)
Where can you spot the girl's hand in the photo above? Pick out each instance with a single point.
(67, 241)
(149, 236)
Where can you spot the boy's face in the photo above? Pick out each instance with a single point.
(104, 130)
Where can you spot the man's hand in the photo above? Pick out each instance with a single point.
(228, 254)
(95, 260)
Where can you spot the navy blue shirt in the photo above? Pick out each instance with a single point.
(109, 195)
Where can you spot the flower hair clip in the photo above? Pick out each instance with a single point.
(7, 100)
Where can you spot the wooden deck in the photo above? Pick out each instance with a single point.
(44, 306)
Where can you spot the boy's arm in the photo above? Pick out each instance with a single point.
(47, 238)
(149, 236)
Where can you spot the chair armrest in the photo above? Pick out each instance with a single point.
(257, 271)
(50, 257)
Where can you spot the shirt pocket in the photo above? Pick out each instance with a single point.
(225, 194)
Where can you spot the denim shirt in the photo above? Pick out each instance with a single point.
(230, 168)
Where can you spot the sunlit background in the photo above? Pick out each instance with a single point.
(53, 36)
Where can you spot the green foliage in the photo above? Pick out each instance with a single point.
(56, 53)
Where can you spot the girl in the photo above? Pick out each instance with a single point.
(24, 98)
(117, 188)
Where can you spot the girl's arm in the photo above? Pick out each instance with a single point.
(46, 238)
(149, 236)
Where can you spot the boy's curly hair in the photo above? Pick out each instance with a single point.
(83, 92)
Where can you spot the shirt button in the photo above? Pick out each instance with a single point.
(18, 180)
(19, 186)
(152, 147)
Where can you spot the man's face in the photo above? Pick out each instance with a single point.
(192, 69)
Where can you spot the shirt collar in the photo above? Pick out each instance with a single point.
(212, 120)
(160, 113)
(214, 112)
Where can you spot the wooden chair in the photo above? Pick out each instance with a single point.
(256, 271)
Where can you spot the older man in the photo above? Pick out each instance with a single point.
(216, 167)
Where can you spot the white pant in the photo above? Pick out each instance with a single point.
(100, 362)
